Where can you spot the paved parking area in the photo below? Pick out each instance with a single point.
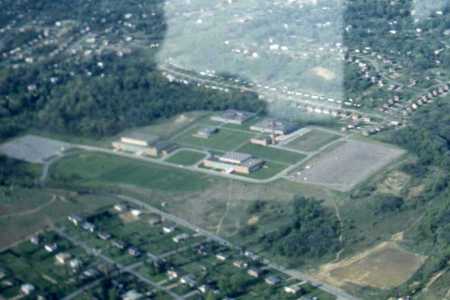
(33, 149)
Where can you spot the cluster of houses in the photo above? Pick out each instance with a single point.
(142, 144)
(248, 262)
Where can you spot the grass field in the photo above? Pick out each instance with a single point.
(224, 140)
(30, 210)
(269, 170)
(186, 157)
(93, 168)
(312, 140)
(272, 154)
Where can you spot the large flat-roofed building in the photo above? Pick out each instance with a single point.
(241, 163)
(232, 116)
(234, 157)
(138, 139)
(144, 145)
(276, 127)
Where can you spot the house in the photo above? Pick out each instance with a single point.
(172, 274)
(62, 257)
(35, 240)
(180, 237)
(132, 295)
(188, 280)
(27, 289)
(254, 272)
(133, 251)
(118, 244)
(136, 213)
(275, 127)
(75, 219)
(75, 263)
(88, 226)
(272, 280)
(240, 264)
(120, 207)
(206, 133)
(168, 228)
(232, 116)
(51, 247)
(154, 219)
(103, 235)
(295, 288)
(221, 256)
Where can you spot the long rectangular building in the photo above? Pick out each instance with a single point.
(234, 162)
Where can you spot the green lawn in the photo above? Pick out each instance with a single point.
(224, 140)
(186, 157)
(272, 154)
(313, 140)
(269, 170)
(96, 168)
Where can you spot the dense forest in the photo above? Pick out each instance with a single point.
(311, 231)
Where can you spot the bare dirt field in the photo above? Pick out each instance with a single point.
(387, 265)
(346, 165)
(324, 73)
(33, 149)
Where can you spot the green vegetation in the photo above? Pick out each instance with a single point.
(305, 230)
(313, 140)
(224, 140)
(87, 98)
(100, 169)
(273, 154)
(269, 170)
(186, 158)
(14, 172)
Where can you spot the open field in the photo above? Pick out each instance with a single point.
(346, 165)
(94, 168)
(384, 266)
(186, 157)
(224, 140)
(273, 154)
(33, 149)
(31, 210)
(312, 140)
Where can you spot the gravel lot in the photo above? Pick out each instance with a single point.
(347, 165)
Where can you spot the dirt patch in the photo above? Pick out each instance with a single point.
(384, 266)
(253, 220)
(394, 183)
(324, 73)
(128, 217)
(416, 191)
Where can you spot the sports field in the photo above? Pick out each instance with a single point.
(95, 168)
(312, 140)
(225, 140)
(273, 154)
(186, 157)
